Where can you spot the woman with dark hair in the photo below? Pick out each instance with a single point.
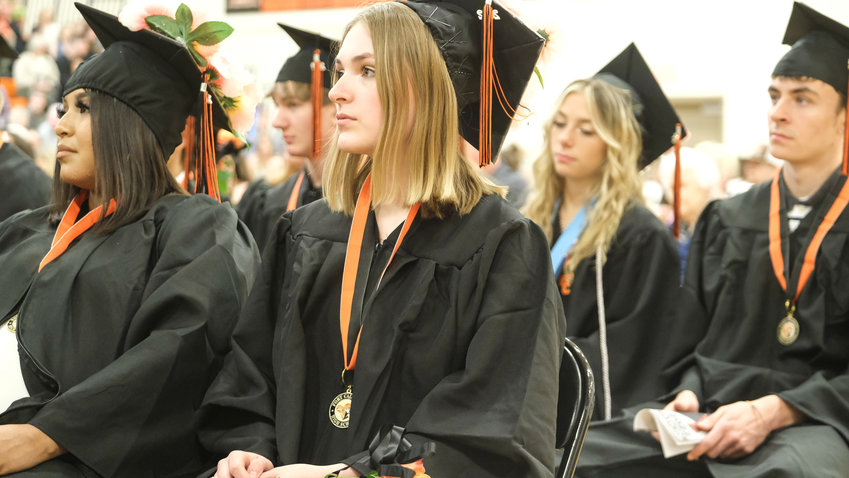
(118, 298)
(394, 300)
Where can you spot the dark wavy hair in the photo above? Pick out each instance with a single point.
(128, 161)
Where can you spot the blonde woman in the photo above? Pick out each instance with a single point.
(392, 301)
(615, 263)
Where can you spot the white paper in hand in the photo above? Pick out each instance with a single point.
(676, 435)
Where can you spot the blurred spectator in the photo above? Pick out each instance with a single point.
(726, 162)
(760, 166)
(756, 166)
(24, 186)
(506, 172)
(47, 29)
(11, 33)
(700, 184)
(35, 69)
(76, 44)
(37, 106)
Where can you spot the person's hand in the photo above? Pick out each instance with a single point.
(22, 446)
(242, 464)
(738, 429)
(685, 402)
(302, 470)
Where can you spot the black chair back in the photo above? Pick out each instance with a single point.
(574, 406)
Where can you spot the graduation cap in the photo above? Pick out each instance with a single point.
(311, 66)
(299, 67)
(5, 50)
(657, 117)
(820, 48)
(661, 127)
(154, 75)
(482, 40)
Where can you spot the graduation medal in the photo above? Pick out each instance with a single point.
(340, 409)
(788, 328)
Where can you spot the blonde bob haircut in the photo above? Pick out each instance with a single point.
(408, 65)
(619, 188)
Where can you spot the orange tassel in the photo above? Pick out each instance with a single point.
(485, 134)
(317, 97)
(188, 150)
(676, 221)
(846, 136)
(207, 174)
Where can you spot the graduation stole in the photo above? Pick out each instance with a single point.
(70, 229)
(340, 406)
(788, 327)
(293, 198)
(563, 245)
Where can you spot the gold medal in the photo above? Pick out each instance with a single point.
(12, 324)
(340, 409)
(788, 330)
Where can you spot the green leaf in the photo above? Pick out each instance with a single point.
(184, 17)
(213, 75)
(199, 59)
(210, 33)
(164, 25)
(539, 76)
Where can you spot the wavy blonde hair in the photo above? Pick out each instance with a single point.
(613, 118)
(408, 63)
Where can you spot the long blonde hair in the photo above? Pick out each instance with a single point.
(613, 118)
(408, 63)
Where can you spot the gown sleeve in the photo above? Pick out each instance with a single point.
(697, 291)
(140, 409)
(496, 417)
(251, 210)
(238, 409)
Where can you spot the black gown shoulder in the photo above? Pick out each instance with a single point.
(121, 334)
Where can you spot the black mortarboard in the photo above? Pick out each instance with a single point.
(456, 26)
(820, 48)
(298, 67)
(151, 73)
(5, 50)
(655, 114)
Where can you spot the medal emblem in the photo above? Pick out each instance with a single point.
(788, 330)
(12, 324)
(340, 409)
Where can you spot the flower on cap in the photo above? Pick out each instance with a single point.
(235, 87)
(232, 85)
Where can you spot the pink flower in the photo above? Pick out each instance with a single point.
(242, 116)
(133, 14)
(234, 77)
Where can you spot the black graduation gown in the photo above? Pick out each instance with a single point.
(23, 184)
(733, 302)
(262, 205)
(641, 283)
(727, 318)
(121, 334)
(461, 344)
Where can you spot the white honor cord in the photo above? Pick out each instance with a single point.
(602, 334)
